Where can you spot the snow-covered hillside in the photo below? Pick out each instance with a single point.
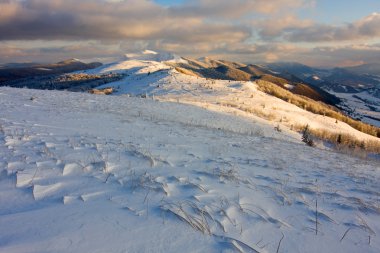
(87, 173)
(144, 76)
(366, 106)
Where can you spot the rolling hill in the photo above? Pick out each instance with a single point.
(219, 69)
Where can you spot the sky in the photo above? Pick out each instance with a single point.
(314, 32)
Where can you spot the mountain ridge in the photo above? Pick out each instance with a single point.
(33, 70)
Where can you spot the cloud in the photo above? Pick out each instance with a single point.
(326, 56)
(41, 51)
(346, 55)
(275, 27)
(235, 9)
(241, 30)
(11, 52)
(366, 28)
(194, 20)
(57, 19)
(88, 19)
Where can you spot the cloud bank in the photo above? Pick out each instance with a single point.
(366, 28)
(246, 30)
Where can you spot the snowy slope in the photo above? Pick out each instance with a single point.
(86, 173)
(155, 78)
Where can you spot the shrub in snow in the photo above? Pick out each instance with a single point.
(339, 139)
(306, 136)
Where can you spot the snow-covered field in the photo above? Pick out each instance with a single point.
(87, 173)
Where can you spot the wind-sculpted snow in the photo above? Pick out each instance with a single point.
(86, 173)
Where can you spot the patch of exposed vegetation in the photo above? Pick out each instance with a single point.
(105, 91)
(341, 141)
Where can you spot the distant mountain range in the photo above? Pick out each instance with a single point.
(350, 79)
(366, 69)
(15, 71)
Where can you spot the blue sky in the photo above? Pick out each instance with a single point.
(314, 32)
(339, 11)
(326, 11)
(169, 2)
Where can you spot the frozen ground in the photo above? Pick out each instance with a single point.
(85, 173)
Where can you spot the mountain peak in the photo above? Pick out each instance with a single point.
(68, 61)
(149, 52)
(150, 55)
